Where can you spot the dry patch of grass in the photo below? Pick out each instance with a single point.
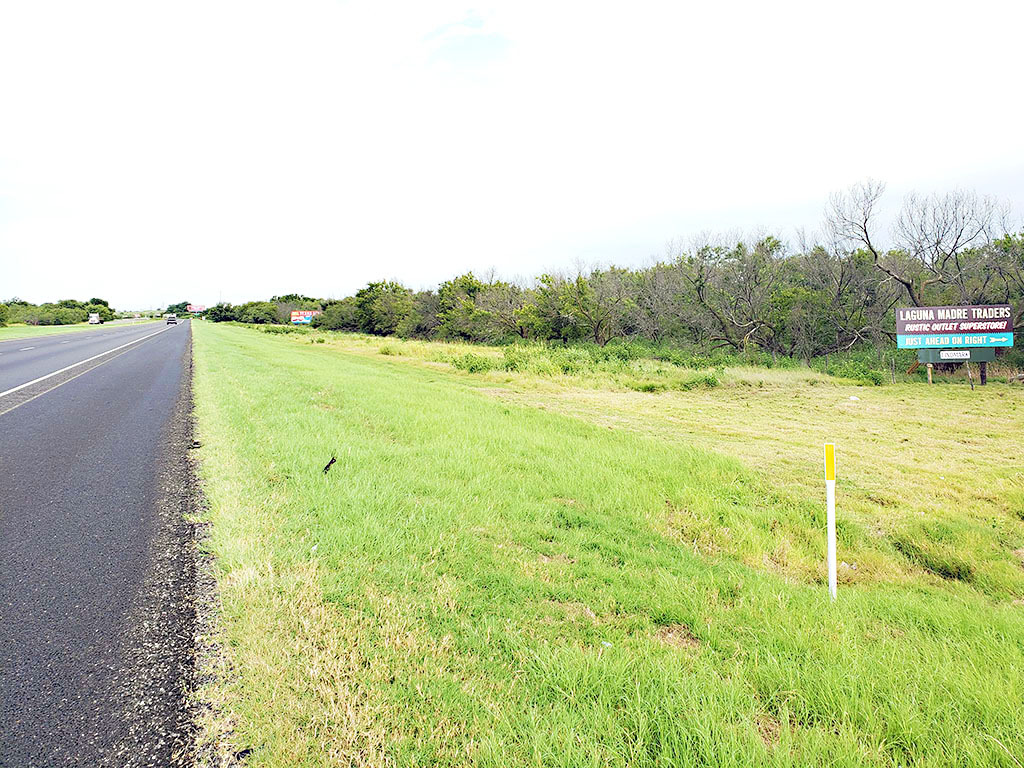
(677, 636)
(303, 657)
(769, 729)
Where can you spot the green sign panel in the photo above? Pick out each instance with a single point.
(956, 355)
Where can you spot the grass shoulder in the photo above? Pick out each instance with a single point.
(511, 568)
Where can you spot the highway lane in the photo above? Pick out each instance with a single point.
(23, 360)
(95, 558)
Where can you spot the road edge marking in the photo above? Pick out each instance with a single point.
(12, 390)
(59, 384)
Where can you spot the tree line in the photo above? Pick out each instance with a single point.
(63, 312)
(821, 296)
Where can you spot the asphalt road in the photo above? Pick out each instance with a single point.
(22, 360)
(95, 565)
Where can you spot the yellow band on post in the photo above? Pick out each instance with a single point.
(830, 461)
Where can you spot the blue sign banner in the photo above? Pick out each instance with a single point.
(952, 340)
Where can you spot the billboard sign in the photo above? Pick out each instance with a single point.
(947, 341)
(303, 316)
(196, 308)
(975, 318)
(973, 325)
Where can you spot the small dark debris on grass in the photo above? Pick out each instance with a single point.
(241, 754)
(329, 463)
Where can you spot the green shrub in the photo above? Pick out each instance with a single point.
(571, 360)
(282, 329)
(472, 363)
(858, 371)
(648, 386)
(515, 359)
(700, 381)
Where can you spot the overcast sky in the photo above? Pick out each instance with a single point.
(156, 152)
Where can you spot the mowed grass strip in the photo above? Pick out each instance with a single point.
(930, 482)
(481, 583)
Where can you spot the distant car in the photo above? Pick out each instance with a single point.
(94, 318)
(172, 319)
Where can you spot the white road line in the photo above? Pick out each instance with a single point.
(80, 362)
(25, 349)
(65, 342)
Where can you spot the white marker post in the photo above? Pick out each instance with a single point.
(830, 522)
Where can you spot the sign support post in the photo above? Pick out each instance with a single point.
(830, 519)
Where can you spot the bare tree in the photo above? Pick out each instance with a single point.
(940, 240)
(851, 219)
(948, 235)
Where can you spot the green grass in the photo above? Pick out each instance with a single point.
(18, 331)
(906, 474)
(481, 581)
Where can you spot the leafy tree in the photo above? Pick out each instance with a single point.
(456, 311)
(503, 307)
(104, 311)
(654, 311)
(596, 304)
(258, 312)
(390, 309)
(380, 307)
(1007, 261)
(422, 320)
(5, 312)
(220, 313)
(64, 315)
(339, 316)
(733, 286)
(178, 309)
(543, 316)
(753, 295)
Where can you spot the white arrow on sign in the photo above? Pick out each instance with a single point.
(997, 338)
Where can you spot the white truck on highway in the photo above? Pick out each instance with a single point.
(94, 318)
